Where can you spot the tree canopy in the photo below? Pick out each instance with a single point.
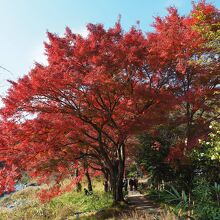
(99, 91)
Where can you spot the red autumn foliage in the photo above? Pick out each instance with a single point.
(91, 97)
(99, 91)
(178, 49)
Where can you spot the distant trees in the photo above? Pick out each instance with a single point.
(152, 154)
(184, 55)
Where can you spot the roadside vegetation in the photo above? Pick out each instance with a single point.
(66, 206)
(190, 189)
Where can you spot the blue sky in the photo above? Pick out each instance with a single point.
(24, 23)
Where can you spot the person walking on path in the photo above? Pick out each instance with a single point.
(131, 184)
(135, 184)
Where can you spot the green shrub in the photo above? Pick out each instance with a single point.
(62, 207)
(206, 199)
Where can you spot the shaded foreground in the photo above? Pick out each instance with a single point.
(25, 205)
(137, 207)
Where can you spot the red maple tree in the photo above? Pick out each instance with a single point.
(97, 92)
(93, 95)
(179, 49)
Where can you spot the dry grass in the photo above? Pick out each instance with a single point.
(141, 215)
(63, 207)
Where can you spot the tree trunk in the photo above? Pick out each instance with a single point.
(78, 185)
(117, 189)
(89, 181)
(85, 164)
(117, 175)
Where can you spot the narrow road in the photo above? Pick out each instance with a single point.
(140, 207)
(138, 201)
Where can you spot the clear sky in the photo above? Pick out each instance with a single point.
(24, 23)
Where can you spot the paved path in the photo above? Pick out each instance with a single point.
(141, 204)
